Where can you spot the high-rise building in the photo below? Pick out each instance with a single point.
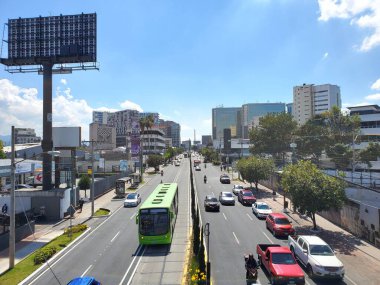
(289, 108)
(224, 118)
(100, 117)
(250, 114)
(206, 140)
(310, 100)
(172, 130)
(124, 122)
(26, 135)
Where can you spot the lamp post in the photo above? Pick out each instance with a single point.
(92, 194)
(208, 268)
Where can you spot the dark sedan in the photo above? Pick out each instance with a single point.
(211, 204)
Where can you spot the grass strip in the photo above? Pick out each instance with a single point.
(26, 267)
(102, 212)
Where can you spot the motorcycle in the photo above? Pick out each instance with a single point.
(205, 179)
(162, 173)
(251, 274)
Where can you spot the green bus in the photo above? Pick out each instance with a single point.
(157, 215)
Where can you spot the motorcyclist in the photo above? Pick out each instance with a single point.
(162, 173)
(250, 264)
(205, 178)
(205, 165)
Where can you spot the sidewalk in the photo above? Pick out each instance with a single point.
(44, 233)
(327, 230)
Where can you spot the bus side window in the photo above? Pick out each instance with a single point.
(137, 219)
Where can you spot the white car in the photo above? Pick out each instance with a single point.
(317, 256)
(226, 198)
(237, 188)
(133, 199)
(261, 209)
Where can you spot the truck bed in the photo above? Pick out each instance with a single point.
(263, 246)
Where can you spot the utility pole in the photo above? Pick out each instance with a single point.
(92, 194)
(12, 208)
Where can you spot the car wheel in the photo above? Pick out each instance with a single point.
(272, 280)
(309, 271)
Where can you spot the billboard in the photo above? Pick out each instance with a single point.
(67, 137)
(61, 39)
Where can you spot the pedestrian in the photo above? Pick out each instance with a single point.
(81, 202)
(4, 209)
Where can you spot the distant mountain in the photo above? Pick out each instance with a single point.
(6, 140)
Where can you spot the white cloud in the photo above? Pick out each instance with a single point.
(105, 109)
(64, 81)
(131, 106)
(376, 85)
(373, 97)
(363, 13)
(325, 55)
(20, 107)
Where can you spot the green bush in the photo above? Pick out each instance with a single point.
(76, 229)
(43, 254)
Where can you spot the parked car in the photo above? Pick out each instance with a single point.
(226, 198)
(132, 200)
(22, 186)
(317, 256)
(197, 168)
(279, 262)
(225, 179)
(246, 197)
(279, 225)
(211, 203)
(177, 163)
(237, 188)
(261, 209)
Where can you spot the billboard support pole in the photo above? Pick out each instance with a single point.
(12, 208)
(47, 123)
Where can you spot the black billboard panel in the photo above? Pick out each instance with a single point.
(59, 39)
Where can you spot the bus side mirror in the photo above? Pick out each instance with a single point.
(137, 219)
(171, 215)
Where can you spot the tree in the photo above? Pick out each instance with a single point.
(84, 183)
(312, 138)
(311, 190)
(209, 154)
(371, 153)
(2, 153)
(154, 160)
(340, 154)
(273, 135)
(253, 169)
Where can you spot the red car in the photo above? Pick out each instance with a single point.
(246, 197)
(279, 225)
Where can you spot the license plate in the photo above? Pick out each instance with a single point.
(292, 282)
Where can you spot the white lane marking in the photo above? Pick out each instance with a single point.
(224, 216)
(84, 273)
(236, 238)
(137, 264)
(268, 238)
(129, 268)
(134, 214)
(249, 217)
(349, 279)
(115, 236)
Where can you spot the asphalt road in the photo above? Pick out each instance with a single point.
(235, 231)
(111, 252)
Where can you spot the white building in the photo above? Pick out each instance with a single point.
(100, 117)
(369, 125)
(310, 100)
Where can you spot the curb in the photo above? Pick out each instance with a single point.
(50, 262)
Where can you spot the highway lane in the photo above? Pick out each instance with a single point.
(234, 232)
(108, 251)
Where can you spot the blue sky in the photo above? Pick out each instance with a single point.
(183, 58)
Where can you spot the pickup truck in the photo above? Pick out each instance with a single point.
(280, 264)
(317, 256)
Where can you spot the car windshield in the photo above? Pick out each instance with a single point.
(132, 196)
(321, 249)
(263, 207)
(282, 221)
(283, 258)
(213, 199)
(238, 187)
(227, 195)
(248, 194)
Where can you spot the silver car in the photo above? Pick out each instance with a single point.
(261, 209)
(237, 188)
(133, 199)
(226, 198)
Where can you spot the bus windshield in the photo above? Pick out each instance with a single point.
(154, 222)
